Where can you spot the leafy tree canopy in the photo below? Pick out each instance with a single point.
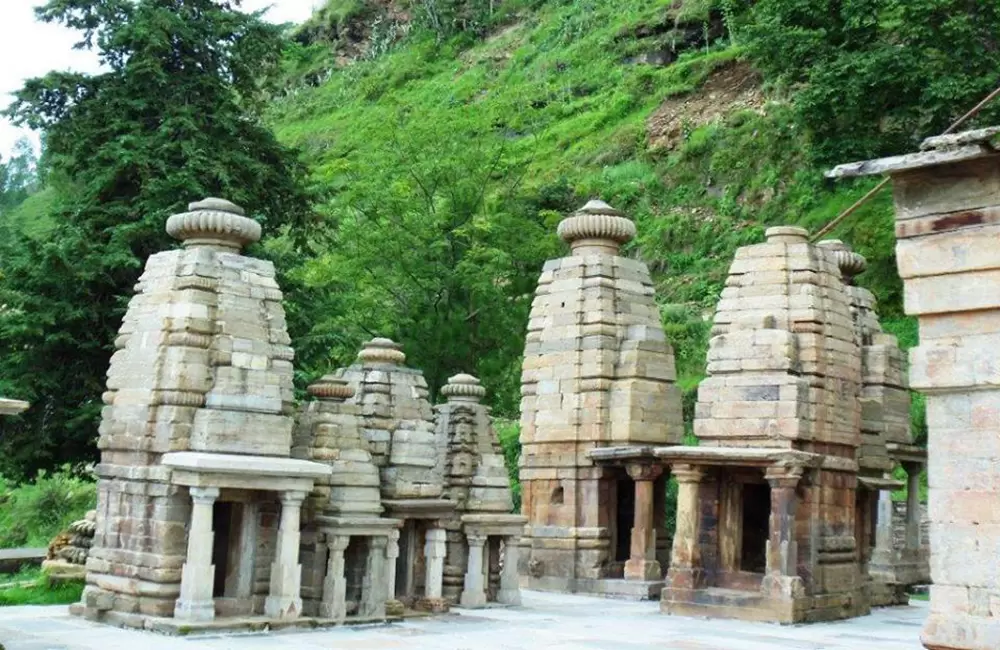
(172, 118)
(875, 77)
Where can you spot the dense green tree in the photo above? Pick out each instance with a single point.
(18, 176)
(436, 245)
(874, 77)
(171, 118)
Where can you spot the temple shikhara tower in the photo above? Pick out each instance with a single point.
(800, 422)
(597, 372)
(220, 498)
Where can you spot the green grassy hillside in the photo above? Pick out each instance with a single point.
(647, 105)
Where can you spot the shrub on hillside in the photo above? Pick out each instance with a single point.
(32, 513)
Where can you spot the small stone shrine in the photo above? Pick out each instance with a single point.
(597, 372)
(776, 506)
(442, 480)
(947, 202)
(198, 496)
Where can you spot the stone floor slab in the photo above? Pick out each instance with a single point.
(550, 621)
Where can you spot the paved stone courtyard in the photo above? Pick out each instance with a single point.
(551, 621)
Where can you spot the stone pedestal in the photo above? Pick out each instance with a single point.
(642, 563)
(284, 600)
(510, 587)
(334, 603)
(685, 559)
(198, 574)
(474, 592)
(373, 592)
(435, 550)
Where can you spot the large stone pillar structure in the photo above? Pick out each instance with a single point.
(597, 372)
(947, 201)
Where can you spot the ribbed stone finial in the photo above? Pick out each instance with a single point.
(330, 387)
(214, 222)
(463, 388)
(380, 350)
(787, 235)
(596, 229)
(851, 264)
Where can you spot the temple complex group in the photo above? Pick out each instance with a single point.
(225, 502)
(221, 502)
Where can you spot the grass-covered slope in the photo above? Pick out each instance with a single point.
(644, 104)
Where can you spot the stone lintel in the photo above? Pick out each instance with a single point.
(12, 406)
(203, 479)
(738, 456)
(506, 524)
(906, 453)
(909, 162)
(357, 526)
(264, 467)
(419, 508)
(624, 454)
(877, 484)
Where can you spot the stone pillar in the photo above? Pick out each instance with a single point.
(284, 600)
(198, 575)
(510, 584)
(782, 549)
(391, 558)
(685, 558)
(947, 204)
(883, 553)
(435, 550)
(373, 590)
(334, 603)
(912, 506)
(642, 564)
(474, 593)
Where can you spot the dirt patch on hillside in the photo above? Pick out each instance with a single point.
(734, 87)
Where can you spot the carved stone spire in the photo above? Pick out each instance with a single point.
(216, 223)
(596, 229)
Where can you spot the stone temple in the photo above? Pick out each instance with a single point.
(223, 505)
(777, 510)
(597, 372)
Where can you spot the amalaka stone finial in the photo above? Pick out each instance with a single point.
(381, 350)
(463, 388)
(330, 387)
(787, 235)
(851, 264)
(596, 229)
(214, 222)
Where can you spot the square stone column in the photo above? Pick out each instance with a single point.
(285, 601)
(198, 574)
(373, 590)
(685, 559)
(642, 564)
(334, 603)
(510, 584)
(947, 204)
(782, 549)
(913, 540)
(474, 592)
(435, 549)
(884, 551)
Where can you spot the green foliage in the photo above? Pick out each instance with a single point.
(32, 513)
(18, 176)
(509, 433)
(171, 120)
(32, 587)
(874, 77)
